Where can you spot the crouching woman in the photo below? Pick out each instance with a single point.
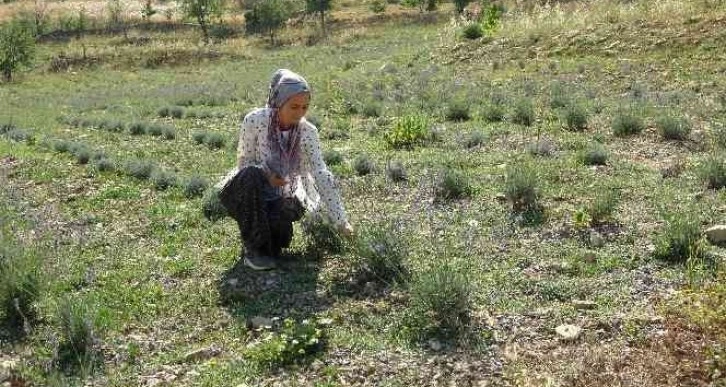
(280, 174)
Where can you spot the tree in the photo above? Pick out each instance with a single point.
(460, 5)
(427, 5)
(203, 11)
(266, 17)
(320, 7)
(17, 45)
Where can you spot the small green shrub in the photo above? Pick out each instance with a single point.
(114, 126)
(440, 304)
(322, 236)
(139, 169)
(79, 328)
(212, 207)
(293, 344)
(543, 148)
(452, 184)
(559, 96)
(6, 127)
(494, 112)
(199, 137)
(594, 154)
(377, 6)
(718, 135)
(626, 124)
(83, 155)
(195, 187)
(20, 287)
(380, 254)
(154, 130)
(363, 165)
(104, 165)
(472, 31)
(474, 139)
(168, 132)
(407, 132)
(163, 179)
(523, 113)
(62, 146)
(673, 128)
(458, 111)
(163, 112)
(214, 140)
(396, 171)
(332, 157)
(19, 135)
(575, 118)
(680, 239)
(137, 128)
(176, 112)
(372, 109)
(222, 31)
(520, 188)
(340, 130)
(713, 172)
(601, 209)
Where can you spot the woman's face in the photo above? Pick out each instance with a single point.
(294, 109)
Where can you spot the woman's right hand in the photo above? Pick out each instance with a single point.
(275, 180)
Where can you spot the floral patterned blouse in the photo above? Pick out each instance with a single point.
(318, 188)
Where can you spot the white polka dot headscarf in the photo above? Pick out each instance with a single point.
(283, 85)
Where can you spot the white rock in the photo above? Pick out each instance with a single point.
(201, 354)
(260, 322)
(596, 240)
(716, 234)
(388, 68)
(435, 345)
(568, 332)
(583, 304)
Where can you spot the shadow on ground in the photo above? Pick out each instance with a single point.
(289, 291)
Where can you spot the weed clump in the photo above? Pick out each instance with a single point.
(396, 172)
(408, 132)
(363, 165)
(594, 154)
(673, 128)
(627, 124)
(440, 304)
(195, 187)
(380, 254)
(680, 239)
(452, 184)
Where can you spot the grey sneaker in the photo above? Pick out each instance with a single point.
(259, 262)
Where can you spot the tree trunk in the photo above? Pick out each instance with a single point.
(205, 32)
(322, 21)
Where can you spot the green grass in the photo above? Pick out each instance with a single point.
(158, 269)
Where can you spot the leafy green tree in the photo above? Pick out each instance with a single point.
(460, 5)
(319, 7)
(266, 17)
(17, 46)
(203, 11)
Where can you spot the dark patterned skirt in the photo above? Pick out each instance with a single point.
(265, 224)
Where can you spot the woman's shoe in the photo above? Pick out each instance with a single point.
(259, 262)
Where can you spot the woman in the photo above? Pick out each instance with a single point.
(280, 173)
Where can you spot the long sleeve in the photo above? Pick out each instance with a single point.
(248, 138)
(325, 182)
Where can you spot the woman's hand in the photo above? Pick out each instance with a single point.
(346, 229)
(275, 180)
